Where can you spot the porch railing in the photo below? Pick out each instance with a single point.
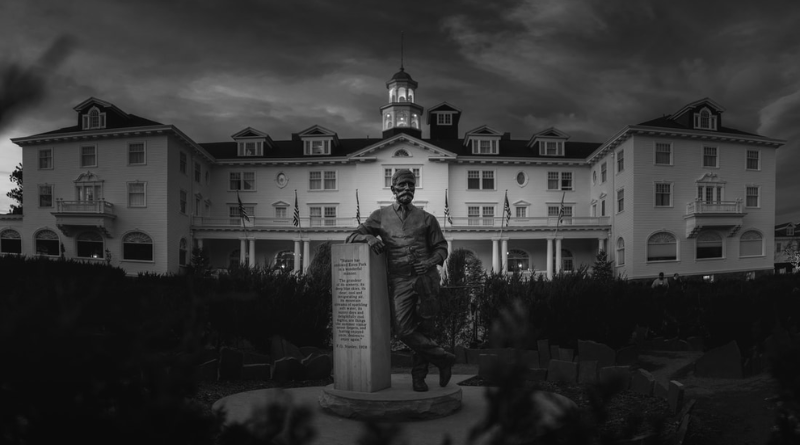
(101, 207)
(458, 222)
(700, 207)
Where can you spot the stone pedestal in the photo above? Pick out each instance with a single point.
(361, 319)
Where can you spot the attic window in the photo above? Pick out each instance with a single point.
(444, 118)
(790, 231)
(551, 148)
(704, 120)
(317, 147)
(484, 147)
(251, 148)
(401, 154)
(94, 119)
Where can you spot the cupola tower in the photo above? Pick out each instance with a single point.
(402, 114)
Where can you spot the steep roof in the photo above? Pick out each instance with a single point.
(668, 122)
(132, 121)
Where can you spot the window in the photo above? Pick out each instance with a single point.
(566, 180)
(663, 153)
(603, 175)
(88, 156)
(94, 119)
(388, 172)
(663, 194)
(197, 206)
(480, 215)
(552, 211)
(594, 176)
(620, 161)
(620, 200)
(662, 246)
(322, 216)
(709, 192)
(710, 157)
(790, 231)
(751, 244)
(603, 208)
(752, 198)
(488, 215)
(233, 259)
(197, 172)
(251, 148)
(285, 260)
(46, 159)
(753, 160)
(45, 195)
(551, 148)
(559, 182)
(594, 210)
(182, 252)
(518, 261)
(280, 212)
(236, 218)
(484, 147)
(444, 118)
(137, 246)
(567, 263)
(521, 212)
(709, 245)
(473, 213)
(136, 154)
(704, 120)
(480, 179)
(183, 201)
(317, 147)
(90, 245)
(137, 194)
(552, 180)
(183, 162)
(522, 179)
(245, 181)
(620, 252)
(10, 242)
(47, 243)
(401, 154)
(322, 180)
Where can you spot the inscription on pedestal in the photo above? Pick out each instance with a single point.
(361, 353)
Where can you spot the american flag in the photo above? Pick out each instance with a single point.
(296, 218)
(447, 209)
(242, 211)
(507, 210)
(561, 209)
(358, 209)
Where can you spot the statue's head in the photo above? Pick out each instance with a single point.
(403, 185)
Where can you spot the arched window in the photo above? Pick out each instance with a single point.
(10, 242)
(233, 259)
(662, 246)
(47, 243)
(94, 118)
(620, 252)
(705, 117)
(137, 246)
(401, 153)
(90, 245)
(567, 264)
(709, 245)
(182, 252)
(518, 261)
(751, 244)
(284, 260)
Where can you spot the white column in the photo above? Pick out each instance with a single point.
(306, 255)
(242, 252)
(200, 243)
(549, 258)
(297, 264)
(252, 262)
(600, 245)
(504, 255)
(558, 255)
(495, 256)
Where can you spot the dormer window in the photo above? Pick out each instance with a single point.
(551, 148)
(315, 147)
(251, 148)
(704, 120)
(94, 119)
(444, 118)
(790, 231)
(484, 146)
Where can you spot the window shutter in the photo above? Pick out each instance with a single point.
(85, 121)
(102, 120)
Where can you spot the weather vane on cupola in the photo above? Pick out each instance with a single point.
(402, 114)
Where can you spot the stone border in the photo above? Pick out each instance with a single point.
(392, 403)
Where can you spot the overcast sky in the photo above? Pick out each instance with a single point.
(586, 67)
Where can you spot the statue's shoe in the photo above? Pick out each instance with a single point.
(445, 372)
(419, 385)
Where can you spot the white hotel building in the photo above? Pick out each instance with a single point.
(681, 193)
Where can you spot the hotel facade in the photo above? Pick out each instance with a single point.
(680, 193)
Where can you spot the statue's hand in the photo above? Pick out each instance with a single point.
(421, 267)
(375, 244)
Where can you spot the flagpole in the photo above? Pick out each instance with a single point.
(560, 212)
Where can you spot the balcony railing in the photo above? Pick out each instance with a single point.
(99, 207)
(458, 222)
(700, 207)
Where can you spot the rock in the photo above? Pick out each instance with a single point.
(251, 358)
(230, 364)
(562, 371)
(724, 362)
(208, 371)
(587, 371)
(617, 375)
(660, 391)
(530, 359)
(642, 382)
(280, 347)
(627, 356)
(566, 354)
(543, 347)
(536, 374)
(604, 355)
(318, 366)
(288, 369)
(675, 396)
(256, 371)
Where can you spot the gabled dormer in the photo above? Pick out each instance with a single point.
(704, 114)
(549, 142)
(318, 141)
(443, 120)
(483, 141)
(251, 142)
(96, 114)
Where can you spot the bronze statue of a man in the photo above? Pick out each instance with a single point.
(414, 246)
